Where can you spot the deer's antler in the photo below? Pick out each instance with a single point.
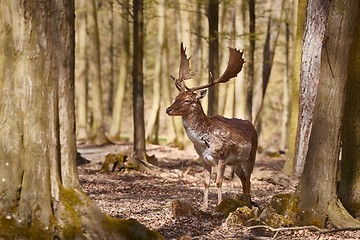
(234, 66)
(184, 71)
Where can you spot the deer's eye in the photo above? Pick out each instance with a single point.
(186, 101)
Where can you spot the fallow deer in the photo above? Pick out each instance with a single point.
(219, 141)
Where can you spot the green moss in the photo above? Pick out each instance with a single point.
(116, 160)
(277, 220)
(280, 202)
(10, 229)
(229, 205)
(309, 218)
(70, 200)
(130, 229)
(240, 216)
(303, 217)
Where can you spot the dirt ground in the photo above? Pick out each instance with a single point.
(150, 197)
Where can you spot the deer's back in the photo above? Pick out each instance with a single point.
(230, 139)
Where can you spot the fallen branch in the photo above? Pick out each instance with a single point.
(311, 228)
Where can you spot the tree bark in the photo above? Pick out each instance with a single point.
(152, 124)
(117, 114)
(349, 188)
(138, 85)
(309, 75)
(81, 71)
(213, 18)
(97, 135)
(285, 121)
(272, 33)
(40, 193)
(251, 60)
(289, 167)
(242, 83)
(317, 188)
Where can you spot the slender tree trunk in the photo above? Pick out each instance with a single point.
(97, 128)
(317, 189)
(273, 29)
(229, 97)
(289, 167)
(81, 71)
(309, 74)
(152, 124)
(185, 25)
(138, 85)
(213, 19)
(109, 102)
(287, 78)
(117, 114)
(40, 193)
(242, 80)
(251, 61)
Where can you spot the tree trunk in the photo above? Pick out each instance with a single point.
(242, 83)
(273, 29)
(152, 124)
(138, 85)
(81, 71)
(309, 75)
(289, 167)
(40, 193)
(317, 190)
(213, 18)
(117, 114)
(349, 189)
(97, 124)
(110, 90)
(287, 78)
(251, 60)
(229, 90)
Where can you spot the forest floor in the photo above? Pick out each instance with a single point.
(151, 198)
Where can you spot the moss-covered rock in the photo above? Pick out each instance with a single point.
(115, 161)
(241, 215)
(229, 205)
(280, 202)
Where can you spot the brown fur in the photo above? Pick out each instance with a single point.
(219, 141)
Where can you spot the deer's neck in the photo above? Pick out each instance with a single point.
(196, 125)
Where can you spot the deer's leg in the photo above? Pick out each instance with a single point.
(207, 177)
(219, 178)
(244, 178)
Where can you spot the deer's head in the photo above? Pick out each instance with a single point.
(188, 99)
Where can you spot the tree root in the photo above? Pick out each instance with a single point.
(340, 217)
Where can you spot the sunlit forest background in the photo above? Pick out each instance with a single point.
(263, 29)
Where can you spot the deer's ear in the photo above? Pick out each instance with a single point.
(201, 94)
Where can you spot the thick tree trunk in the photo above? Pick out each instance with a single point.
(40, 193)
(317, 188)
(349, 189)
(309, 75)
